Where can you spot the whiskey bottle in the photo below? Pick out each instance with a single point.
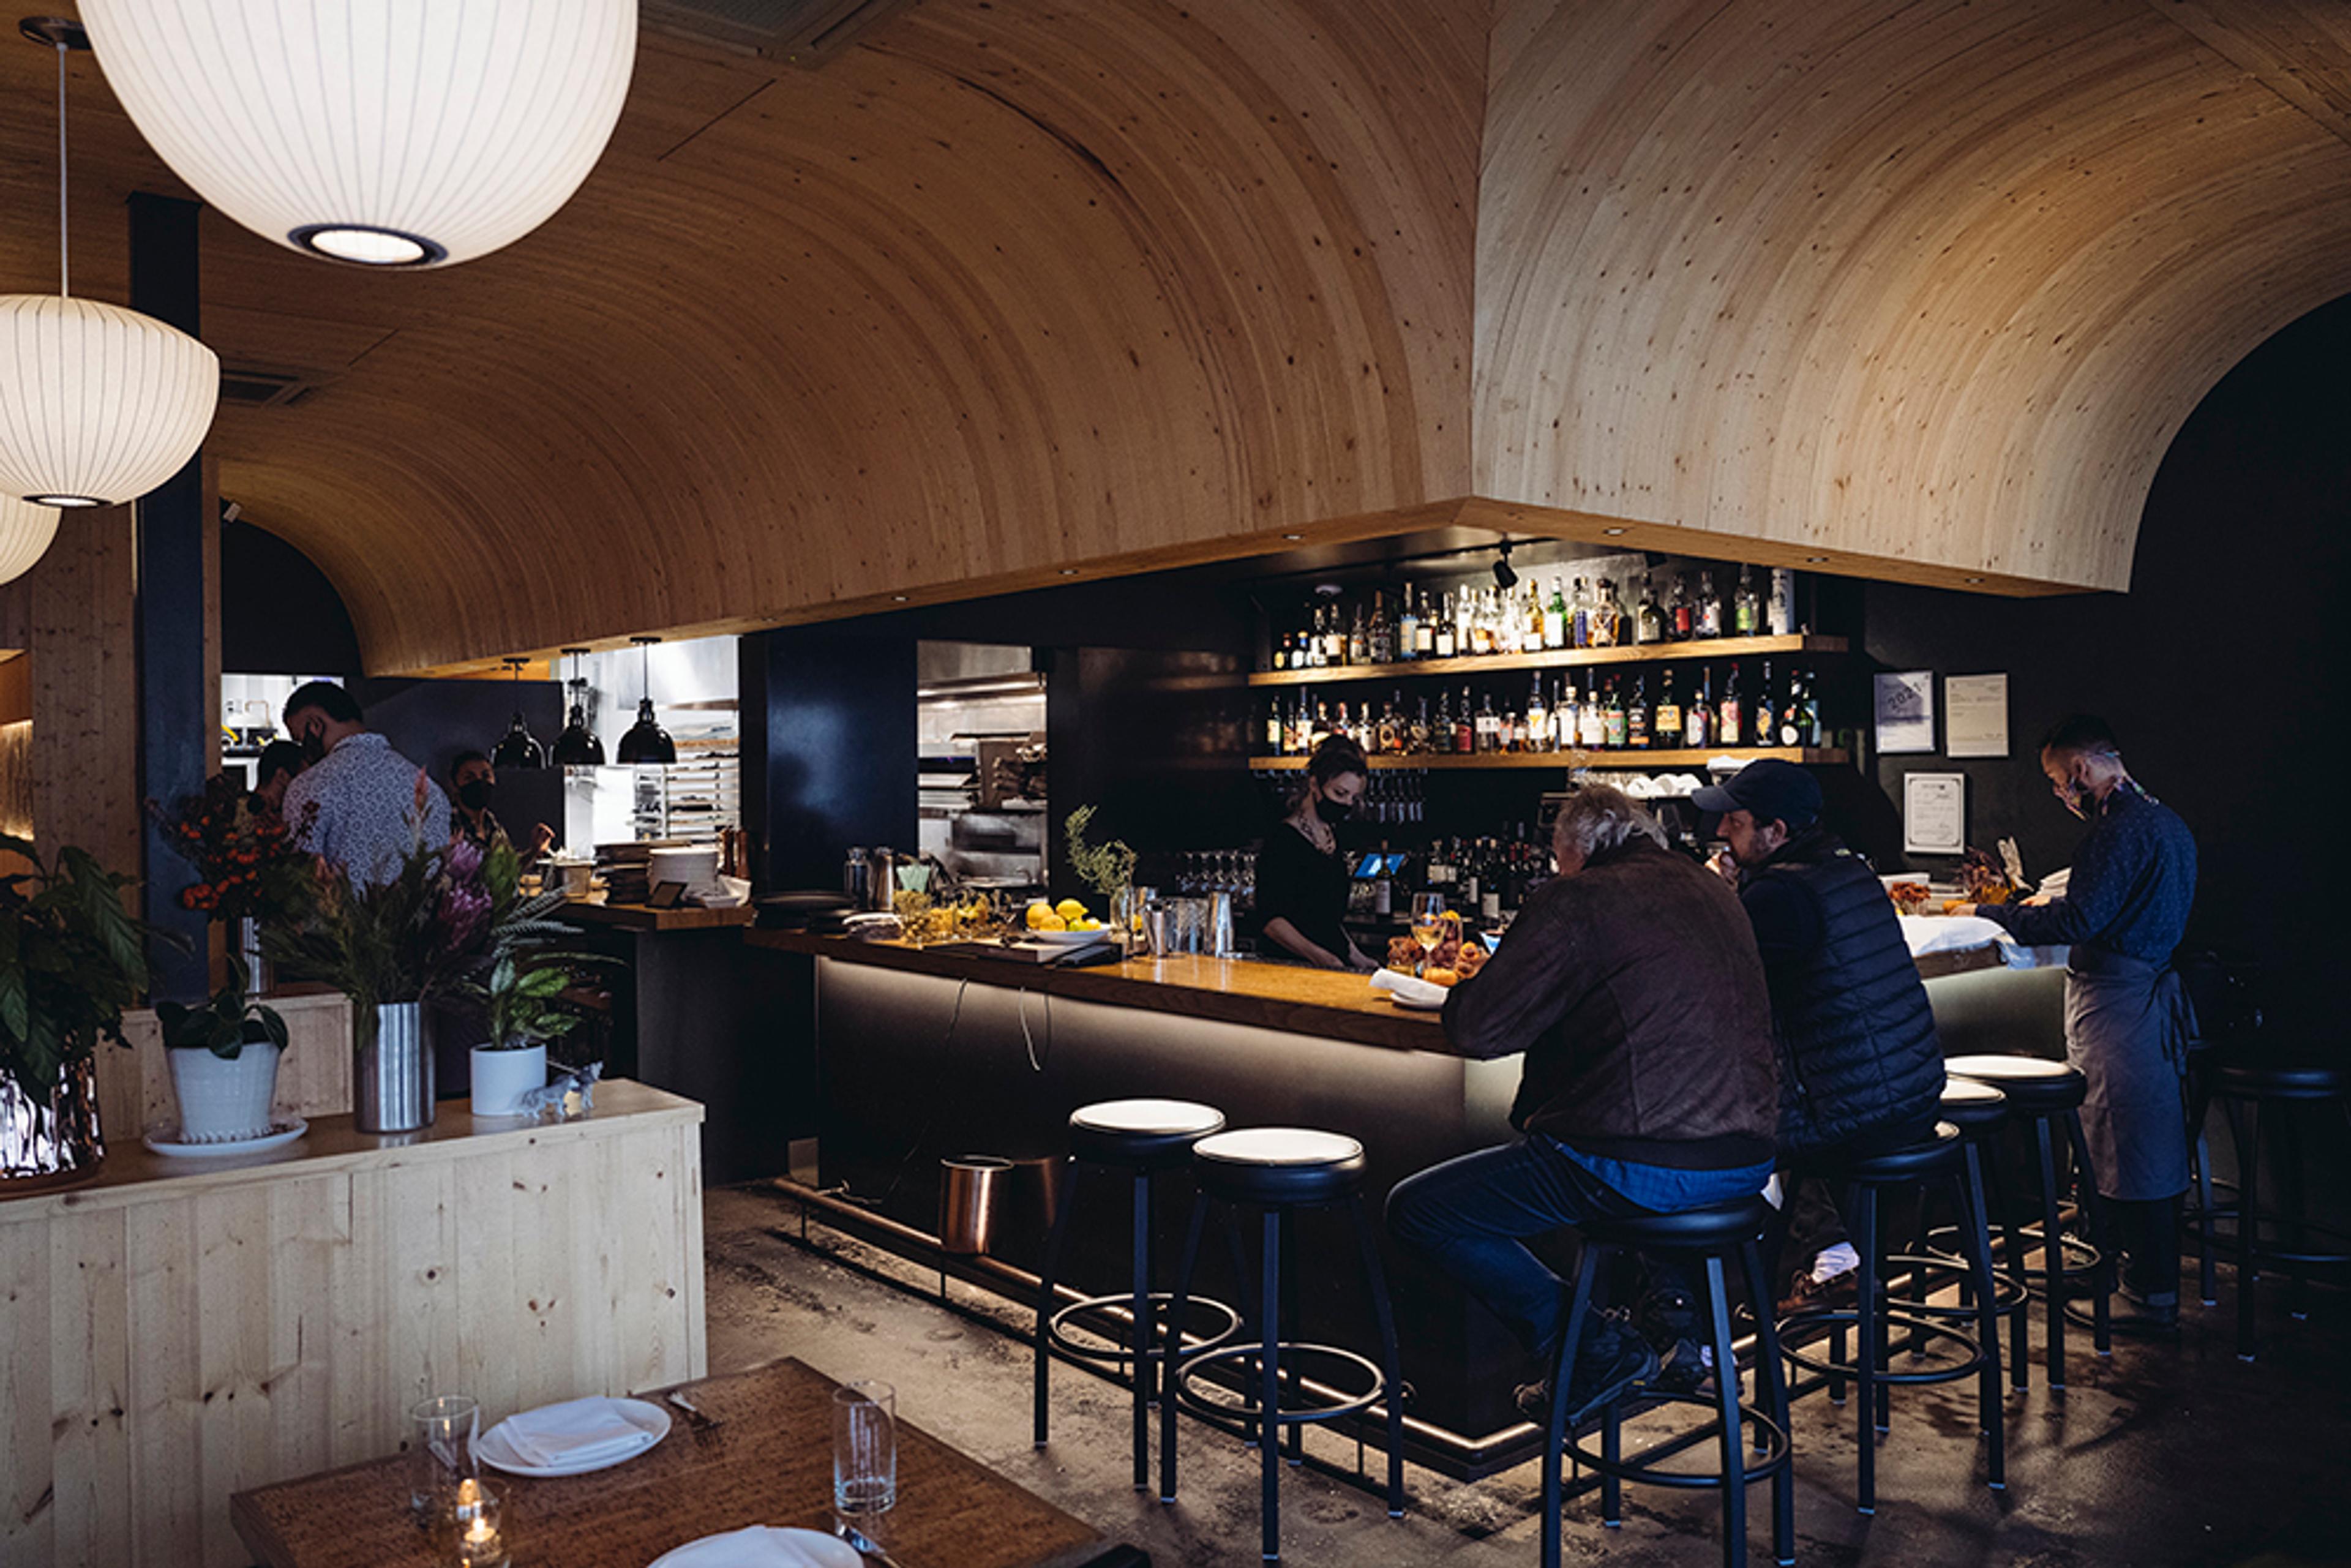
(1636, 717)
(1667, 729)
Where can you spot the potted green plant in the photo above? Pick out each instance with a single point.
(1109, 870)
(525, 1009)
(71, 960)
(223, 1055)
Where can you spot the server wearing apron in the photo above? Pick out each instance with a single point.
(2127, 1019)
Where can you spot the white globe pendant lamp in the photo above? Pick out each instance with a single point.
(25, 531)
(98, 404)
(384, 133)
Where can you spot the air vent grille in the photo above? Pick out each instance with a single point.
(259, 386)
(806, 33)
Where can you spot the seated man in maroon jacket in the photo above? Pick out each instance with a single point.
(1631, 982)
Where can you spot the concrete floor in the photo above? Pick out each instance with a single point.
(2165, 1454)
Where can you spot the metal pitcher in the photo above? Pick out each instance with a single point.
(392, 1068)
(1216, 936)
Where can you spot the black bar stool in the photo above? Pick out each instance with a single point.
(1980, 1110)
(1141, 1137)
(1277, 1171)
(2049, 1095)
(1712, 1235)
(1862, 1179)
(2237, 1082)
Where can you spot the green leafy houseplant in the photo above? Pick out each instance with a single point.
(224, 1024)
(1108, 868)
(71, 960)
(523, 1000)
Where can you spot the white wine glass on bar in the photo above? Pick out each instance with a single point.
(1427, 922)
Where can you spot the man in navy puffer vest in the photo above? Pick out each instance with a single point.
(1860, 1069)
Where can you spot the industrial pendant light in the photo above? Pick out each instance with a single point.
(520, 749)
(578, 746)
(101, 404)
(25, 531)
(646, 742)
(383, 133)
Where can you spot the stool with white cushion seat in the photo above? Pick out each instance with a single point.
(1277, 1171)
(1141, 1137)
(1980, 1110)
(2049, 1095)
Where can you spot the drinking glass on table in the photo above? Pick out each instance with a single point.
(444, 1431)
(864, 1451)
(1427, 922)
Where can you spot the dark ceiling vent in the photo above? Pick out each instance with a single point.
(258, 386)
(806, 33)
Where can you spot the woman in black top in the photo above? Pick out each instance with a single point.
(1301, 881)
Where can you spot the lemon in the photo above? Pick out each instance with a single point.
(1050, 921)
(1039, 913)
(1070, 909)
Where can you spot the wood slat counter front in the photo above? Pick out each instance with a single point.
(1329, 1003)
(175, 1331)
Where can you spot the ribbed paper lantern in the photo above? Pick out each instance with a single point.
(387, 132)
(98, 404)
(25, 531)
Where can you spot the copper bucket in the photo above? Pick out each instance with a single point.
(971, 1189)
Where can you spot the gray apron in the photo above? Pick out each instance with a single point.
(2127, 1022)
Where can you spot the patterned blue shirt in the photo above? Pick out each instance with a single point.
(2134, 878)
(366, 820)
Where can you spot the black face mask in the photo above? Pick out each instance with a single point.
(314, 746)
(1333, 812)
(473, 794)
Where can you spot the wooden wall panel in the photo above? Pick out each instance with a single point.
(73, 615)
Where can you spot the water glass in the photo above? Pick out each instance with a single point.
(443, 1431)
(865, 1450)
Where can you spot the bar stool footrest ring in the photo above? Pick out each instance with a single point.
(1752, 1468)
(1894, 1323)
(2008, 1295)
(1057, 1334)
(1219, 1413)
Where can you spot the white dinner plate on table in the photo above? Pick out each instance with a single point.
(166, 1141)
(763, 1546)
(498, 1453)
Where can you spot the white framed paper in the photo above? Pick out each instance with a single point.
(1934, 813)
(1975, 715)
(1905, 711)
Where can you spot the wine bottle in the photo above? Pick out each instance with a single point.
(1727, 728)
(1615, 725)
(1697, 724)
(1636, 717)
(1668, 720)
(1747, 610)
(1709, 607)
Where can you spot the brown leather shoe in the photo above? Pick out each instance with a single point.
(1805, 1294)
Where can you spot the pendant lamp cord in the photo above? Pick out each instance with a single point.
(65, 256)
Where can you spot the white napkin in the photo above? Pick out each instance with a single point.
(1411, 988)
(763, 1546)
(575, 1432)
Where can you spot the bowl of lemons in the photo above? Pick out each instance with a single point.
(1065, 924)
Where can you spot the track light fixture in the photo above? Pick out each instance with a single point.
(1505, 575)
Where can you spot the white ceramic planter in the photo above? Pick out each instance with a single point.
(222, 1102)
(501, 1078)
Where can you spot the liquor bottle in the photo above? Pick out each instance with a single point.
(1591, 722)
(1538, 720)
(1728, 730)
(1440, 637)
(1484, 729)
(1532, 640)
(1465, 877)
(1383, 634)
(1465, 623)
(1555, 625)
(1282, 652)
(1440, 739)
(1579, 620)
(1391, 737)
(1807, 720)
(1636, 717)
(1697, 724)
(1607, 615)
(1383, 890)
(1681, 615)
(1791, 712)
(1273, 736)
(1342, 726)
(1765, 729)
(1359, 640)
(1424, 640)
(1779, 612)
(1709, 607)
(1490, 887)
(1649, 619)
(1747, 610)
(1464, 727)
(1322, 729)
(1407, 641)
(1566, 716)
(1614, 725)
(1335, 641)
(1415, 740)
(1667, 730)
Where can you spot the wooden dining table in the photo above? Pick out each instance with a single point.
(767, 1460)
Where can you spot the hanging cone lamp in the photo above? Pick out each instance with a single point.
(578, 746)
(646, 742)
(520, 749)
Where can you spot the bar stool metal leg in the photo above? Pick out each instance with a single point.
(1868, 1346)
(1975, 1227)
(1177, 1302)
(1053, 1241)
(2053, 1253)
(1141, 1309)
(1725, 1388)
(2020, 1350)
(1556, 1436)
(2249, 1208)
(1270, 1392)
(2102, 1278)
(1384, 1310)
(1771, 1393)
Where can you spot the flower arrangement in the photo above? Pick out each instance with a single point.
(246, 862)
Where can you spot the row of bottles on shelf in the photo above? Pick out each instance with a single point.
(1537, 617)
(1612, 713)
(1483, 879)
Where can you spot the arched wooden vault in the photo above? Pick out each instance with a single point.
(1012, 287)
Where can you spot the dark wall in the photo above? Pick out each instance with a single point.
(2221, 669)
(279, 615)
(828, 751)
(429, 722)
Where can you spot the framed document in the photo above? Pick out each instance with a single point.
(1975, 715)
(1934, 813)
(1904, 710)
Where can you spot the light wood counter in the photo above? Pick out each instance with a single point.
(645, 918)
(179, 1330)
(1330, 1003)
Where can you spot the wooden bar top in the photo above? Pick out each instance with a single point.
(767, 1461)
(1329, 1003)
(645, 918)
(131, 1171)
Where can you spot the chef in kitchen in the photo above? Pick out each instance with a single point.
(472, 783)
(2127, 1015)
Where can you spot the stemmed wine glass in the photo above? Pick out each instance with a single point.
(1427, 922)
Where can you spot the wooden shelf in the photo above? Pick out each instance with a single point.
(1498, 663)
(1562, 760)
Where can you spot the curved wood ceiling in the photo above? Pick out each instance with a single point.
(1010, 288)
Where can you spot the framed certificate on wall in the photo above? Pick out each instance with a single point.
(1934, 813)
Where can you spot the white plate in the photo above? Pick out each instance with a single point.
(762, 1544)
(497, 1453)
(280, 1133)
(1067, 938)
(1417, 1007)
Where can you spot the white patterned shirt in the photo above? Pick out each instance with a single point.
(366, 820)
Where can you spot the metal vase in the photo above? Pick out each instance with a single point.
(248, 953)
(51, 1140)
(391, 1067)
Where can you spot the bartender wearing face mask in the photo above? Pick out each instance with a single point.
(1302, 878)
(472, 781)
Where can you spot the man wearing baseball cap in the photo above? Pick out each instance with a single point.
(1860, 1069)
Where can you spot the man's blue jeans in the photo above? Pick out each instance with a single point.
(1467, 1216)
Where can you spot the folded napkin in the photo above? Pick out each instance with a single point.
(763, 1546)
(575, 1432)
(1409, 987)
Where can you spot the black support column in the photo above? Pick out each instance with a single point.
(174, 717)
